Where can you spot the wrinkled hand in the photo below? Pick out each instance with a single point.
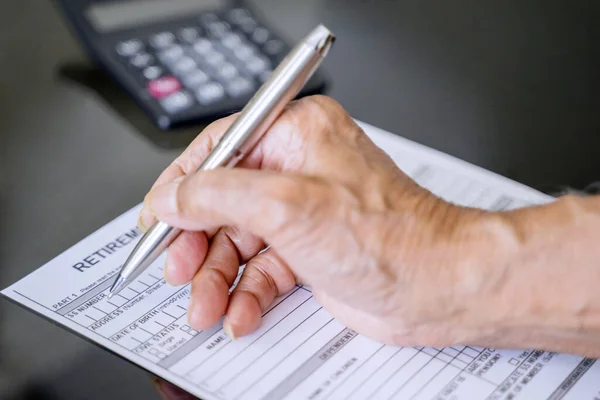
(381, 254)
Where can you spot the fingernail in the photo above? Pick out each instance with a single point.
(166, 272)
(228, 330)
(163, 199)
(194, 317)
(144, 220)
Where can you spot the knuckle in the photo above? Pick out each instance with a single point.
(319, 108)
(317, 118)
(322, 102)
(181, 163)
(205, 142)
(187, 162)
(226, 242)
(215, 276)
(233, 233)
(198, 154)
(259, 280)
(328, 114)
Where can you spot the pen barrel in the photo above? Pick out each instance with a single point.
(270, 100)
(154, 242)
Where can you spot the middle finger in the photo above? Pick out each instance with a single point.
(229, 248)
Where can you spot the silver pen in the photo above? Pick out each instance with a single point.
(262, 110)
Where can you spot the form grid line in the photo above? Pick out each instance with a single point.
(286, 357)
(265, 352)
(358, 367)
(225, 345)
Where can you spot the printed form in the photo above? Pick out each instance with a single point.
(299, 351)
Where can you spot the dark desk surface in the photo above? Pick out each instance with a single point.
(512, 87)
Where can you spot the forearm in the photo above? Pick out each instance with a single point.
(549, 296)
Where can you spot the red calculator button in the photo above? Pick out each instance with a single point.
(164, 86)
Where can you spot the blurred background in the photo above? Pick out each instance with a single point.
(511, 86)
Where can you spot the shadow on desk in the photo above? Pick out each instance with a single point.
(96, 374)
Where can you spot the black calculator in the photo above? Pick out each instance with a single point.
(182, 61)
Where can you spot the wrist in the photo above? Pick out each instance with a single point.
(448, 262)
(486, 270)
(544, 293)
(459, 254)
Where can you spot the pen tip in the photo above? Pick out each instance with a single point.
(116, 286)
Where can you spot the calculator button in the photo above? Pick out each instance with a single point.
(238, 15)
(214, 58)
(189, 35)
(152, 72)
(194, 79)
(171, 54)
(184, 65)
(142, 60)
(274, 46)
(210, 93)
(162, 40)
(257, 65)
(260, 35)
(231, 40)
(239, 87)
(129, 48)
(218, 29)
(248, 26)
(163, 87)
(227, 71)
(202, 46)
(244, 52)
(176, 102)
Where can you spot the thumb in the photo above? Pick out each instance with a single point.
(264, 203)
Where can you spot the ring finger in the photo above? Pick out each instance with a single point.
(229, 248)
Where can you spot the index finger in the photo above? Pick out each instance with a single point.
(188, 161)
(304, 122)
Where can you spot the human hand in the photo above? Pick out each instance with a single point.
(168, 391)
(381, 254)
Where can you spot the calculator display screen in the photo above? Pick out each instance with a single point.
(114, 15)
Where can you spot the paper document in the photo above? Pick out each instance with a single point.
(299, 351)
